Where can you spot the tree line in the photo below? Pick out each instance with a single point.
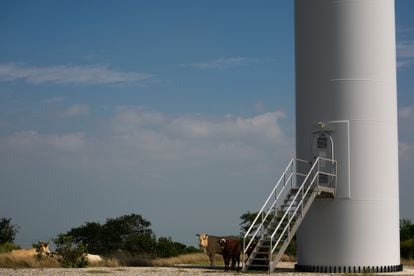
(130, 234)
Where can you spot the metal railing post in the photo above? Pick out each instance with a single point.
(302, 201)
(270, 253)
(319, 169)
(244, 255)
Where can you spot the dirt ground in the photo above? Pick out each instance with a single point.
(285, 269)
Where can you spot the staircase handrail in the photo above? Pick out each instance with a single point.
(290, 167)
(267, 200)
(293, 215)
(300, 189)
(293, 200)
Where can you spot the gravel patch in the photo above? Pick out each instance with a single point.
(285, 269)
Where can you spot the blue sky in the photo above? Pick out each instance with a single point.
(181, 111)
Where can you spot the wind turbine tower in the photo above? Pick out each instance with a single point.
(346, 109)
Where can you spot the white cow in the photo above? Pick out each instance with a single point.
(90, 258)
(93, 259)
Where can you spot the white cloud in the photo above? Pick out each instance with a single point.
(403, 29)
(191, 139)
(54, 100)
(406, 135)
(143, 134)
(130, 118)
(405, 54)
(406, 112)
(405, 49)
(227, 63)
(263, 128)
(33, 140)
(69, 74)
(259, 107)
(406, 151)
(260, 128)
(76, 110)
(405, 63)
(406, 125)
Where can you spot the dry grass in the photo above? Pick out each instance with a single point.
(110, 262)
(9, 261)
(287, 258)
(125, 259)
(119, 260)
(195, 259)
(407, 262)
(98, 271)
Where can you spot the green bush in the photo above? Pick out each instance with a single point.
(192, 249)
(167, 248)
(7, 247)
(73, 254)
(407, 249)
(406, 230)
(141, 244)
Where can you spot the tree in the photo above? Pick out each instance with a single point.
(407, 239)
(91, 235)
(129, 232)
(8, 231)
(247, 220)
(406, 230)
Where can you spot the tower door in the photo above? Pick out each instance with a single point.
(323, 147)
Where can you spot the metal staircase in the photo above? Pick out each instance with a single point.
(278, 220)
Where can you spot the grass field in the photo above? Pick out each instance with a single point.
(408, 262)
(125, 260)
(9, 261)
(201, 259)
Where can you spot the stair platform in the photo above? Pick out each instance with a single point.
(326, 192)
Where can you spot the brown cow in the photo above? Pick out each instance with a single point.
(231, 249)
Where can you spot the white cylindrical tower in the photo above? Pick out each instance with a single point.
(346, 78)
